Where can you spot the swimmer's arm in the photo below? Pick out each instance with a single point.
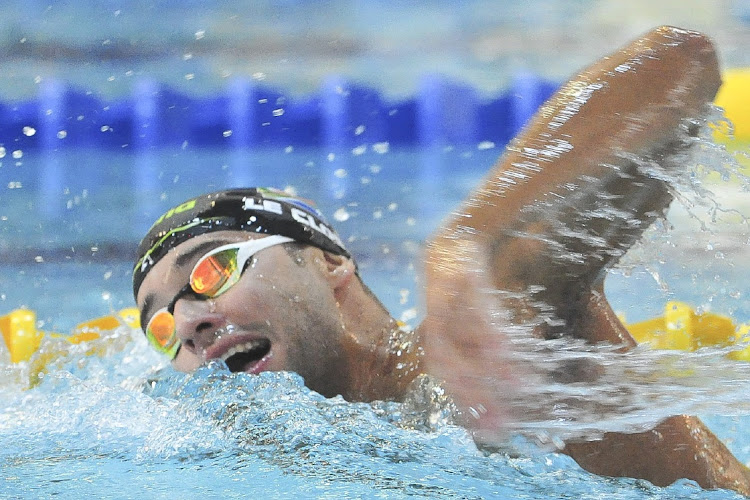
(679, 447)
(572, 151)
(633, 102)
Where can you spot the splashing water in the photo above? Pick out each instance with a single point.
(119, 424)
(696, 254)
(114, 427)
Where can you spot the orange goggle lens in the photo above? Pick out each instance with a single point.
(215, 274)
(161, 332)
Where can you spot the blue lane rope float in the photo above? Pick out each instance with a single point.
(341, 115)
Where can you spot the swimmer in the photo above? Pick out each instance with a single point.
(257, 278)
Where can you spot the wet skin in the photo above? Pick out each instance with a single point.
(533, 231)
(284, 309)
(561, 206)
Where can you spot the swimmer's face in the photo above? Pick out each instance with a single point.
(281, 315)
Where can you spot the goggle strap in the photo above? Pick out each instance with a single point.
(245, 252)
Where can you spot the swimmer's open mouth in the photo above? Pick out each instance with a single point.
(242, 357)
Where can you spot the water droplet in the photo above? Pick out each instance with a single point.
(393, 206)
(17, 154)
(374, 169)
(289, 149)
(359, 150)
(359, 130)
(39, 259)
(622, 68)
(341, 214)
(278, 112)
(62, 134)
(2, 152)
(189, 76)
(381, 147)
(331, 156)
(227, 133)
(377, 214)
(200, 34)
(29, 131)
(105, 128)
(340, 173)
(485, 145)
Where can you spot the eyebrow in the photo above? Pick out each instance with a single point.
(201, 248)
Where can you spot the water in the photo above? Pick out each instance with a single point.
(122, 425)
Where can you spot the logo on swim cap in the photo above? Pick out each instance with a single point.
(188, 205)
(306, 205)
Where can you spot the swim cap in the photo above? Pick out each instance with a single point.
(256, 210)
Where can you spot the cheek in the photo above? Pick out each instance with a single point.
(259, 298)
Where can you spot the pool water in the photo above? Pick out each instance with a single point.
(124, 425)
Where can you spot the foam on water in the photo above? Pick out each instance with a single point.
(126, 434)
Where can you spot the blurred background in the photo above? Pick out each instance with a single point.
(386, 112)
(103, 46)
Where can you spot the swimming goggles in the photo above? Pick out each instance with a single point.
(213, 274)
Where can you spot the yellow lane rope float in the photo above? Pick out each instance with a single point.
(681, 328)
(734, 97)
(22, 338)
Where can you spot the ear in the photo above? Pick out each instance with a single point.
(339, 269)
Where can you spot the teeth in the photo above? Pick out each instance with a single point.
(247, 346)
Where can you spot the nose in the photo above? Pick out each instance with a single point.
(196, 324)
